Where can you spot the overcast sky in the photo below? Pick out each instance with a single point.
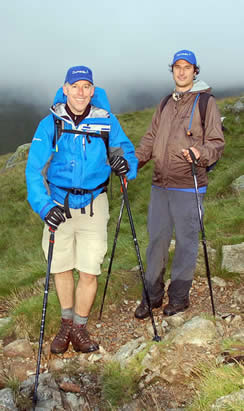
(128, 44)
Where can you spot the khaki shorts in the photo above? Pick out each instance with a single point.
(81, 241)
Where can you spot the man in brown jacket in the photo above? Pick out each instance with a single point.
(174, 129)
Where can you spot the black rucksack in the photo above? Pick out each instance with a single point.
(203, 103)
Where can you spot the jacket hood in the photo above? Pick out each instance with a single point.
(99, 98)
(199, 86)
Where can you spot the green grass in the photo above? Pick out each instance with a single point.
(215, 383)
(118, 384)
(21, 258)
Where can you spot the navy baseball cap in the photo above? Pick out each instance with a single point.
(185, 55)
(77, 73)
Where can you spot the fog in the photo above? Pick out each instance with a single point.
(128, 45)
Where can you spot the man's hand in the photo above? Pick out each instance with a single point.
(119, 165)
(55, 217)
(187, 156)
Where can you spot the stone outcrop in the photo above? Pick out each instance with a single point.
(20, 155)
(238, 184)
(233, 258)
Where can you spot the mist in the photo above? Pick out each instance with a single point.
(128, 45)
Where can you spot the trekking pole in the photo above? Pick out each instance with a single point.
(44, 308)
(112, 255)
(156, 337)
(194, 173)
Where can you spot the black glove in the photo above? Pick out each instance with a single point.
(54, 217)
(119, 165)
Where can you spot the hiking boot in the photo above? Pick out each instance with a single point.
(142, 311)
(80, 339)
(60, 343)
(172, 309)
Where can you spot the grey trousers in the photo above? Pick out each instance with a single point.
(169, 211)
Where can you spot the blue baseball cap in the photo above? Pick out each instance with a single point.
(185, 55)
(77, 73)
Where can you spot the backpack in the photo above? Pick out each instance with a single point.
(59, 129)
(203, 103)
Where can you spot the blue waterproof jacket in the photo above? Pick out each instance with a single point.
(76, 161)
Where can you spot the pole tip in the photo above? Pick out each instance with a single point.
(157, 338)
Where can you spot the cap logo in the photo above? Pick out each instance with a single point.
(80, 71)
(183, 54)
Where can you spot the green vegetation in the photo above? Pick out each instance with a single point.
(218, 382)
(21, 260)
(118, 383)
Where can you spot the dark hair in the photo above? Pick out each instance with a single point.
(196, 69)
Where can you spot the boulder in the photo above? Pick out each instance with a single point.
(233, 258)
(197, 331)
(238, 184)
(20, 155)
(127, 351)
(7, 400)
(229, 401)
(18, 348)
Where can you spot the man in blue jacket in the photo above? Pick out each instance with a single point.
(67, 173)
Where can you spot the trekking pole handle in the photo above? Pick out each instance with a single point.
(194, 162)
(125, 184)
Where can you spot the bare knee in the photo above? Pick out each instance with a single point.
(88, 279)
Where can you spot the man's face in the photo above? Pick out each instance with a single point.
(79, 95)
(183, 73)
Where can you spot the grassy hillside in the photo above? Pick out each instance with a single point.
(21, 259)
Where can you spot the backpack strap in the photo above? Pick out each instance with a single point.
(164, 102)
(59, 129)
(203, 103)
(58, 125)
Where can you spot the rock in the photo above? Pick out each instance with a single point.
(229, 401)
(198, 331)
(238, 296)
(70, 387)
(237, 320)
(135, 269)
(150, 330)
(4, 321)
(238, 184)
(132, 406)
(150, 358)
(233, 258)
(238, 335)
(20, 155)
(176, 320)
(95, 357)
(18, 348)
(238, 107)
(22, 369)
(220, 328)
(127, 351)
(7, 400)
(164, 324)
(75, 403)
(46, 379)
(56, 365)
(48, 395)
(219, 281)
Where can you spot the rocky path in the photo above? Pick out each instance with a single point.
(119, 326)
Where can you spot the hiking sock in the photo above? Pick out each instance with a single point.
(78, 320)
(67, 313)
